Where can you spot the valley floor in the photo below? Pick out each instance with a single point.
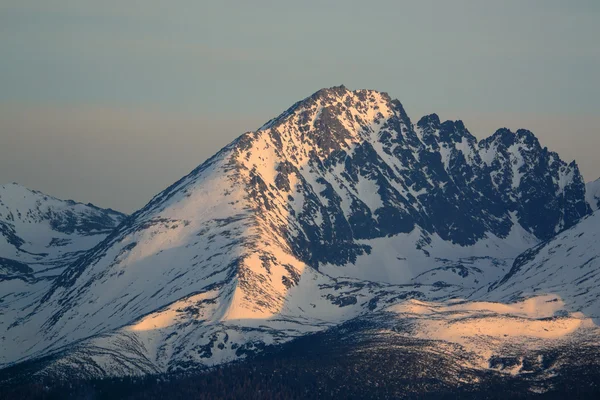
(364, 358)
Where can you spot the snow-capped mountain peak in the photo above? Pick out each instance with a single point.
(35, 223)
(337, 207)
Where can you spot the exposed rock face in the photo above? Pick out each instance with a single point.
(378, 175)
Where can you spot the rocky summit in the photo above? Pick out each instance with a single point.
(339, 221)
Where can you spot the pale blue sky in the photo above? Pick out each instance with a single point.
(116, 99)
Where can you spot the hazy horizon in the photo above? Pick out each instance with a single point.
(112, 102)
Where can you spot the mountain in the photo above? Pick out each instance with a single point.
(340, 209)
(593, 194)
(534, 334)
(39, 236)
(38, 229)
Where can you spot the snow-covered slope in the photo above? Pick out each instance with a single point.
(338, 207)
(499, 336)
(593, 194)
(567, 267)
(39, 236)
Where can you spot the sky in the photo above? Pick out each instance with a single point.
(111, 101)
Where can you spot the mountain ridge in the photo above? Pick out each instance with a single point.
(30, 218)
(335, 209)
